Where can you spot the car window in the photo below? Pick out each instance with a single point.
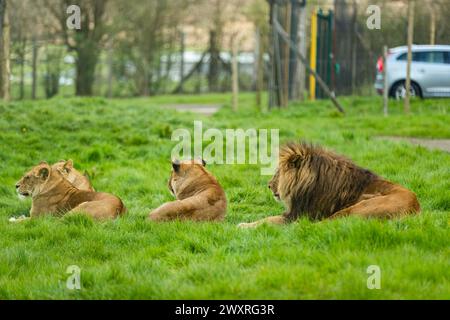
(422, 56)
(438, 57)
(417, 57)
(427, 56)
(402, 57)
(447, 57)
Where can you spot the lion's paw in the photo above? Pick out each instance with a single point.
(19, 219)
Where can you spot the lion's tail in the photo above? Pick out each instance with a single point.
(122, 209)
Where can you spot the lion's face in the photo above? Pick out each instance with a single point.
(31, 183)
(182, 171)
(273, 185)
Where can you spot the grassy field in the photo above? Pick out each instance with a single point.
(125, 146)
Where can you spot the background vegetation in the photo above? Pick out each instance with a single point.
(133, 48)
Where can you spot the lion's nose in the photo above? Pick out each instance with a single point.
(17, 186)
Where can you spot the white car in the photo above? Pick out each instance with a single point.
(430, 71)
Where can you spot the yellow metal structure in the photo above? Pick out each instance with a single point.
(313, 55)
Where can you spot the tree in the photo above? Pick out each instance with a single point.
(5, 70)
(85, 42)
(30, 25)
(411, 3)
(148, 30)
(19, 34)
(53, 70)
(258, 13)
(217, 17)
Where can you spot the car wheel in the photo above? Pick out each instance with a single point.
(399, 91)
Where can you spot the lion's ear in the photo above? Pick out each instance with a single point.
(176, 165)
(68, 165)
(44, 173)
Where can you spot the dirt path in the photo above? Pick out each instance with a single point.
(440, 144)
(203, 109)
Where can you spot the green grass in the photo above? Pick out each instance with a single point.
(125, 145)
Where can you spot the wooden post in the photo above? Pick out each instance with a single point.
(302, 42)
(109, 92)
(271, 50)
(353, 38)
(34, 68)
(256, 38)
(286, 56)
(313, 55)
(279, 30)
(182, 49)
(5, 67)
(432, 24)
(259, 64)
(235, 72)
(385, 82)
(277, 61)
(407, 107)
(22, 69)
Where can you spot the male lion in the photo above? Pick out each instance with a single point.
(319, 184)
(199, 196)
(51, 193)
(68, 171)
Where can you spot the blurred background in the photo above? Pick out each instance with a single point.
(128, 48)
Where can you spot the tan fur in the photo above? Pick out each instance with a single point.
(68, 171)
(52, 194)
(199, 196)
(319, 184)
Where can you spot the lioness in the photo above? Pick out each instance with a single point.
(68, 171)
(199, 195)
(51, 193)
(319, 184)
